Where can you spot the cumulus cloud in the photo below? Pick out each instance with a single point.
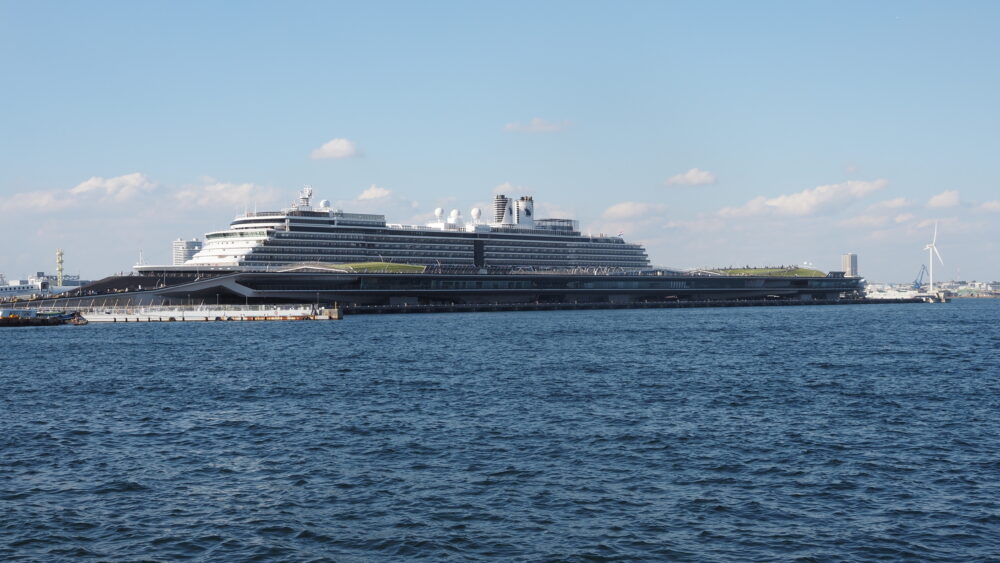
(806, 202)
(108, 190)
(374, 192)
(546, 210)
(990, 206)
(508, 188)
(336, 148)
(36, 201)
(895, 203)
(903, 217)
(632, 210)
(699, 225)
(693, 177)
(865, 221)
(947, 198)
(536, 125)
(931, 222)
(119, 188)
(380, 200)
(221, 193)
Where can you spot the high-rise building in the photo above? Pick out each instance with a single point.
(849, 264)
(184, 250)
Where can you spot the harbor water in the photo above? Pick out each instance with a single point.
(734, 434)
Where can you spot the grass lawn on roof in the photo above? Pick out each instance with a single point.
(790, 272)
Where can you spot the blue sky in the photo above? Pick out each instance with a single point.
(717, 133)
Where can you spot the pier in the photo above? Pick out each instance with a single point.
(677, 304)
(201, 313)
(298, 312)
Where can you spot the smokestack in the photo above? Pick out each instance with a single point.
(526, 211)
(499, 208)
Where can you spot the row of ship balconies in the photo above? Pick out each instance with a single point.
(292, 238)
(575, 255)
(619, 250)
(275, 260)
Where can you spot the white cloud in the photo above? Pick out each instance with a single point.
(336, 148)
(220, 193)
(374, 192)
(114, 190)
(379, 200)
(119, 188)
(700, 225)
(693, 177)
(544, 210)
(806, 202)
(537, 125)
(903, 217)
(508, 188)
(895, 203)
(36, 201)
(865, 221)
(931, 222)
(947, 198)
(990, 205)
(632, 210)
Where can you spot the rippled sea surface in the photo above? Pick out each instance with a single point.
(792, 433)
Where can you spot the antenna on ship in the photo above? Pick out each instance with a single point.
(306, 195)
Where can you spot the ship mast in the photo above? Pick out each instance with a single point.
(305, 197)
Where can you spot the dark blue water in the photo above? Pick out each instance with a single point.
(808, 433)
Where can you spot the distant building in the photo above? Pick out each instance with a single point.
(849, 264)
(184, 250)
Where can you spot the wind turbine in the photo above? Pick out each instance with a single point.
(931, 252)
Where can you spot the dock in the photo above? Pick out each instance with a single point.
(210, 313)
(300, 312)
(674, 304)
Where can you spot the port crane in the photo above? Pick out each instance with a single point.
(919, 281)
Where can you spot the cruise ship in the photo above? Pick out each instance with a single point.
(510, 238)
(322, 255)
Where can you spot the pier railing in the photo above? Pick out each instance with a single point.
(199, 308)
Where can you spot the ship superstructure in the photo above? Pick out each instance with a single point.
(35, 285)
(257, 241)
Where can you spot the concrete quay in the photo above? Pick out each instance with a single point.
(497, 307)
(203, 314)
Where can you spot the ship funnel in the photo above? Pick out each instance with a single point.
(500, 205)
(526, 211)
(508, 214)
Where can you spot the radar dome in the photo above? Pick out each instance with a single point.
(439, 213)
(477, 213)
(324, 203)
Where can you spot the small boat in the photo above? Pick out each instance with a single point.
(30, 317)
